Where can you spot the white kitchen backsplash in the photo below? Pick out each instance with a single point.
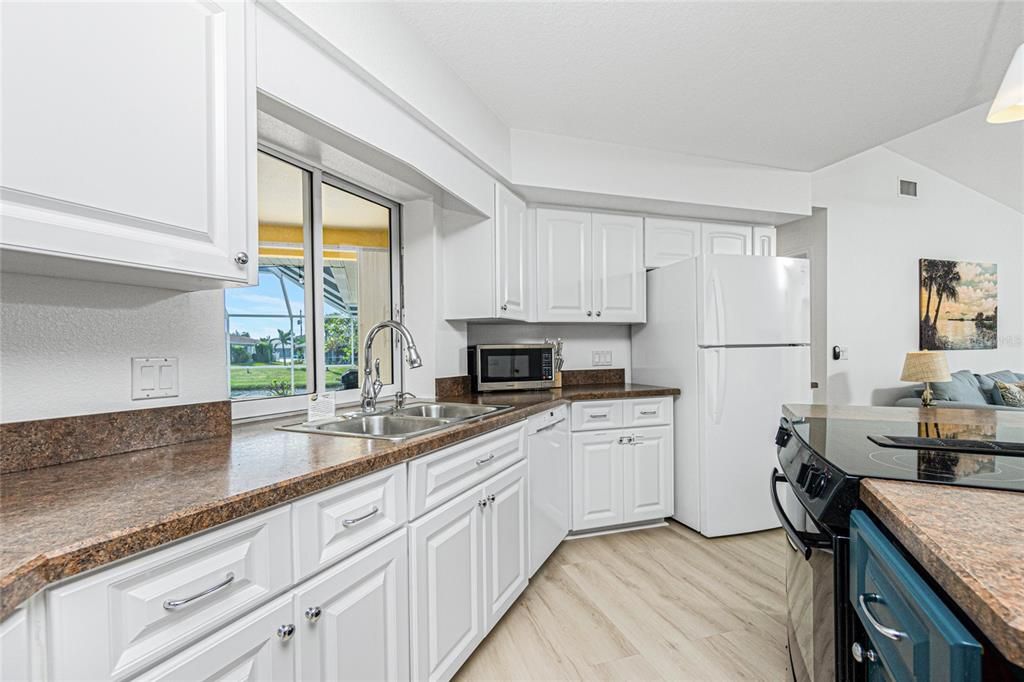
(581, 340)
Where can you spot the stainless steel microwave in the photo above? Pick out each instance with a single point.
(514, 366)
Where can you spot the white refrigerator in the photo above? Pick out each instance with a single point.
(733, 333)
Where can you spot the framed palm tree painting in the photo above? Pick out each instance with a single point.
(959, 305)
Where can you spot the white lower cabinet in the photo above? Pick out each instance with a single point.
(352, 621)
(15, 651)
(647, 490)
(256, 647)
(596, 480)
(468, 561)
(623, 475)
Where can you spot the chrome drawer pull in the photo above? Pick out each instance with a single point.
(603, 415)
(649, 413)
(360, 519)
(172, 604)
(485, 460)
(892, 633)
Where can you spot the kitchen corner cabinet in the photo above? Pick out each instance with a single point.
(489, 271)
(622, 462)
(590, 267)
(130, 147)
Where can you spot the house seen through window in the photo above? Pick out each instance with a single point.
(322, 285)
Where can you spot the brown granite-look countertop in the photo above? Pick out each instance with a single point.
(971, 541)
(62, 520)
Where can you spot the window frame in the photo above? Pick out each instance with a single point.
(315, 177)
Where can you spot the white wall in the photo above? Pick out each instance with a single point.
(66, 346)
(559, 162)
(579, 340)
(875, 239)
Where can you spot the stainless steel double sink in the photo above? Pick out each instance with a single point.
(398, 424)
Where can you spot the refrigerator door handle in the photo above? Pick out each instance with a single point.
(718, 307)
(720, 388)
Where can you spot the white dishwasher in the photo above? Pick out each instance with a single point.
(548, 445)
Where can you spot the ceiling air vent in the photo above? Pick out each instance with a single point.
(908, 188)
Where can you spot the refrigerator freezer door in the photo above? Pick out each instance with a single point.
(743, 390)
(753, 301)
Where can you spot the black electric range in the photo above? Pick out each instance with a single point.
(823, 461)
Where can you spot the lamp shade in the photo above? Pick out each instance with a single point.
(1008, 105)
(925, 366)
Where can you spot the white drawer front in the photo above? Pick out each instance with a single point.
(334, 523)
(648, 411)
(439, 477)
(592, 415)
(248, 649)
(113, 623)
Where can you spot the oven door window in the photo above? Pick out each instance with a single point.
(522, 364)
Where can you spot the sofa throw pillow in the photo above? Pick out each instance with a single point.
(1012, 394)
(964, 388)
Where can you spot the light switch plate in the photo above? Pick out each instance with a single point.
(154, 377)
(601, 358)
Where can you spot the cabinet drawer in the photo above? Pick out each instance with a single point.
(334, 523)
(249, 649)
(119, 620)
(442, 475)
(648, 411)
(593, 415)
(914, 634)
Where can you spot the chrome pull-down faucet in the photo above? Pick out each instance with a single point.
(371, 387)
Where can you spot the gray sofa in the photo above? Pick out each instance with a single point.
(967, 389)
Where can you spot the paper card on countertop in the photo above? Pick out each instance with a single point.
(321, 406)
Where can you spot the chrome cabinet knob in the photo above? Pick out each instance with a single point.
(285, 632)
(482, 503)
(590, 313)
(242, 258)
(313, 614)
(860, 654)
(490, 498)
(504, 307)
(598, 313)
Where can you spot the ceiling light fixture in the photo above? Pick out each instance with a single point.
(1008, 105)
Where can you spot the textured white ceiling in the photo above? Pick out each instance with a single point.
(795, 85)
(987, 158)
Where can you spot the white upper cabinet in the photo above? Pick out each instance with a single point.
(764, 241)
(489, 263)
(589, 267)
(130, 142)
(732, 240)
(564, 266)
(668, 241)
(619, 278)
(510, 255)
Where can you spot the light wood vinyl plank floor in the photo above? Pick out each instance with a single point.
(658, 604)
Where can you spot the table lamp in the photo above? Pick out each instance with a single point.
(926, 366)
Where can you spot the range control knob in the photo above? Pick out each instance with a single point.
(818, 483)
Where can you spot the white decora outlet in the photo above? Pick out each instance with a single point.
(601, 358)
(154, 378)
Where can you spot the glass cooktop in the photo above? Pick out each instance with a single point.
(920, 451)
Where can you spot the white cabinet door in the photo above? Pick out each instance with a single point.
(647, 474)
(132, 140)
(510, 255)
(251, 648)
(564, 264)
(620, 280)
(728, 240)
(506, 543)
(446, 589)
(352, 621)
(668, 241)
(15, 651)
(596, 480)
(764, 241)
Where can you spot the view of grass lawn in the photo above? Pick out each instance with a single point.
(260, 377)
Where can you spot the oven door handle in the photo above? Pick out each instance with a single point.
(802, 542)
